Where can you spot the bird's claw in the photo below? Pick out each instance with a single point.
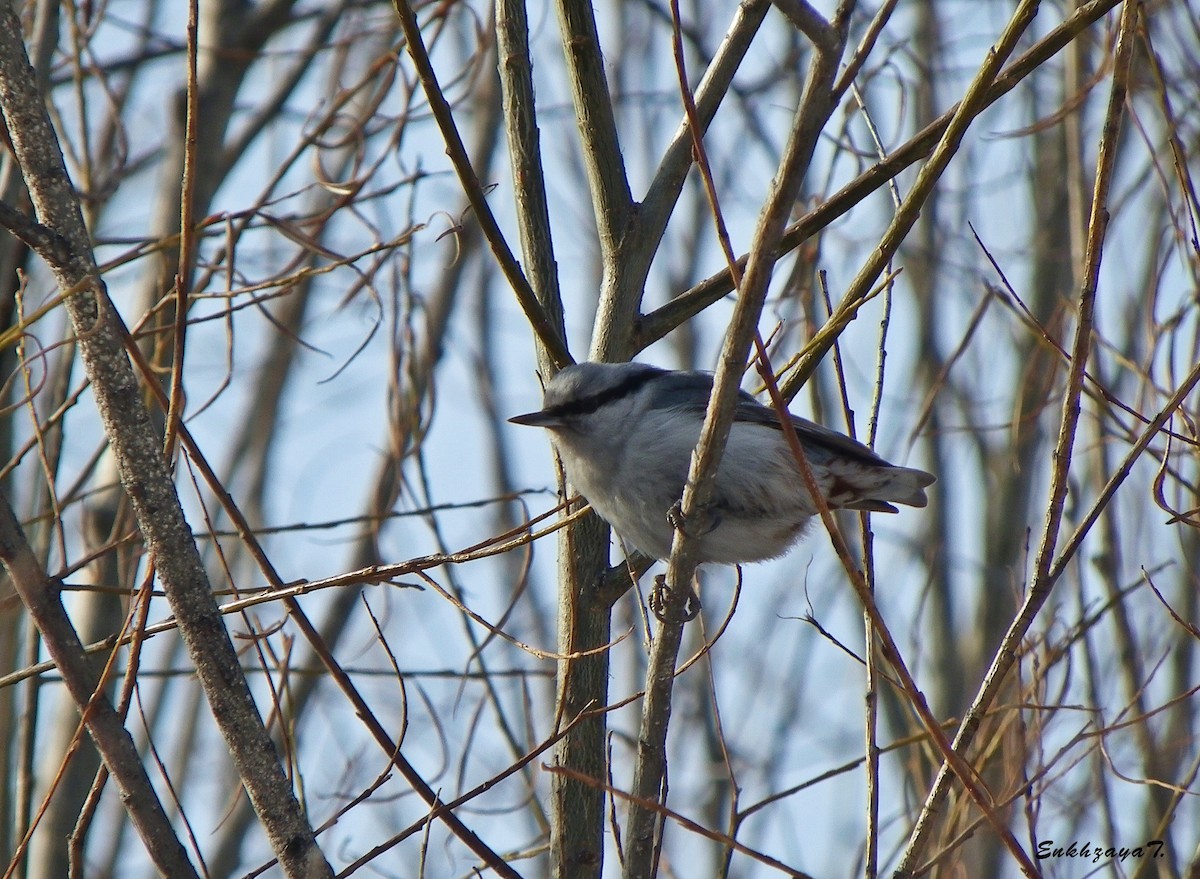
(702, 521)
(676, 518)
(669, 606)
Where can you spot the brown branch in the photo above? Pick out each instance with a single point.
(524, 147)
(296, 613)
(1046, 572)
(809, 119)
(42, 598)
(658, 323)
(375, 574)
(187, 231)
(974, 102)
(859, 290)
(611, 198)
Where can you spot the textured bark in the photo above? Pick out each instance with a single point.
(137, 447)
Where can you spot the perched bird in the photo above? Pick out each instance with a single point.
(626, 434)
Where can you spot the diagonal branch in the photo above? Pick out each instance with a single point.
(658, 323)
(32, 233)
(974, 102)
(542, 323)
(438, 809)
(137, 448)
(1046, 573)
(650, 768)
(663, 191)
(41, 596)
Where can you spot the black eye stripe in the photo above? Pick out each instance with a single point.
(592, 402)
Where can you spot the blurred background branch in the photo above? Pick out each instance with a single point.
(363, 311)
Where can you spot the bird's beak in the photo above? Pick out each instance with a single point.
(537, 419)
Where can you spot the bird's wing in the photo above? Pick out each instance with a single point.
(689, 392)
(810, 433)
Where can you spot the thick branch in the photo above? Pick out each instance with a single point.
(625, 263)
(611, 199)
(524, 146)
(577, 816)
(138, 450)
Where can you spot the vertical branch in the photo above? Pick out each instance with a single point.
(584, 627)
(649, 770)
(542, 324)
(611, 198)
(624, 259)
(187, 227)
(577, 805)
(524, 146)
(871, 656)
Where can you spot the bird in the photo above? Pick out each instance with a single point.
(625, 433)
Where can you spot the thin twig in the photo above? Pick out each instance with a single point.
(187, 231)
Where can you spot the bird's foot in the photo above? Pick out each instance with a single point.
(671, 607)
(702, 521)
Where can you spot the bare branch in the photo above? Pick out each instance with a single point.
(611, 199)
(661, 321)
(650, 766)
(1043, 582)
(41, 596)
(143, 471)
(541, 322)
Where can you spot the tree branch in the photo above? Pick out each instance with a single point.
(32, 233)
(611, 199)
(41, 596)
(663, 191)
(649, 770)
(658, 323)
(1043, 581)
(143, 472)
(524, 146)
(577, 817)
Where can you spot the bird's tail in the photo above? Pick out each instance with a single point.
(901, 485)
